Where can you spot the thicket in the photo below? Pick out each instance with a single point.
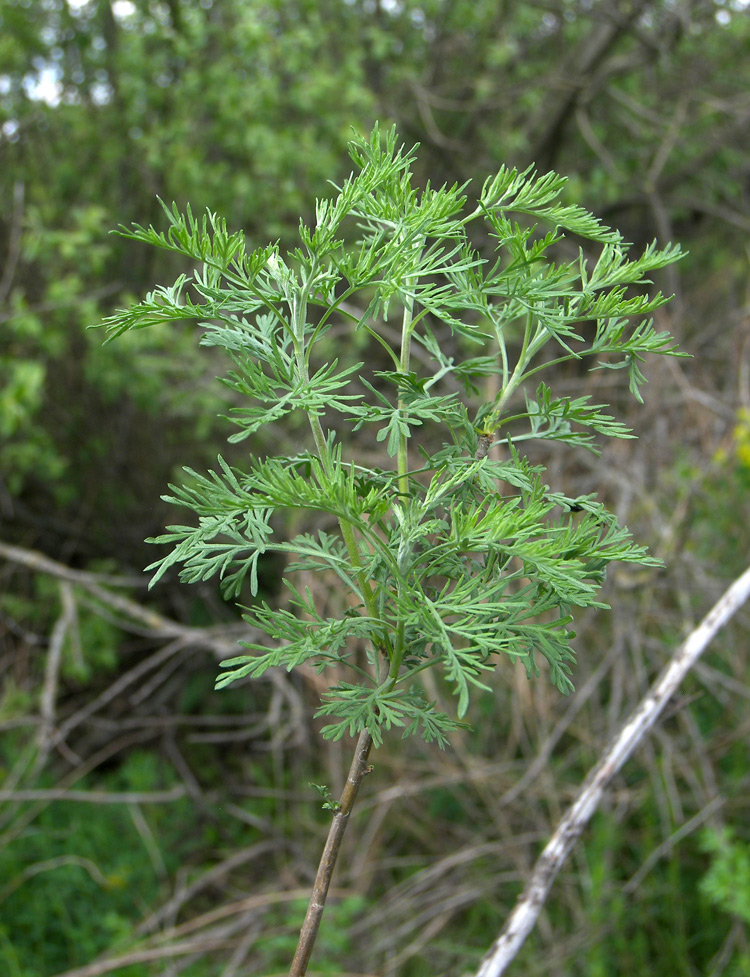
(246, 108)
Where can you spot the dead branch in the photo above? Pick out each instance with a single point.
(521, 921)
(175, 793)
(171, 944)
(155, 623)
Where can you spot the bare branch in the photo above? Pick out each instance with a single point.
(64, 624)
(221, 639)
(521, 921)
(666, 846)
(117, 687)
(91, 582)
(49, 865)
(612, 22)
(175, 793)
(208, 878)
(202, 943)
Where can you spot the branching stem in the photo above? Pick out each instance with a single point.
(407, 327)
(404, 363)
(321, 445)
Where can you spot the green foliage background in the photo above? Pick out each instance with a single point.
(245, 107)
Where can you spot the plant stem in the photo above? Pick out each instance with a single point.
(321, 445)
(518, 372)
(404, 362)
(528, 349)
(357, 772)
(407, 325)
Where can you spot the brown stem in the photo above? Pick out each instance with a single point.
(309, 931)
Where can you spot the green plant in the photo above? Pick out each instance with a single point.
(726, 884)
(451, 558)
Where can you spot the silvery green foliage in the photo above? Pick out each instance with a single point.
(451, 559)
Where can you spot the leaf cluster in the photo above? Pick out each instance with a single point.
(451, 559)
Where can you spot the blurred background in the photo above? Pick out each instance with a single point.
(150, 826)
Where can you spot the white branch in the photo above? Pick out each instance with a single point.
(529, 905)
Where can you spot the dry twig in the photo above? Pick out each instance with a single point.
(521, 921)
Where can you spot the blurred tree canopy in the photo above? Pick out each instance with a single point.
(246, 106)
